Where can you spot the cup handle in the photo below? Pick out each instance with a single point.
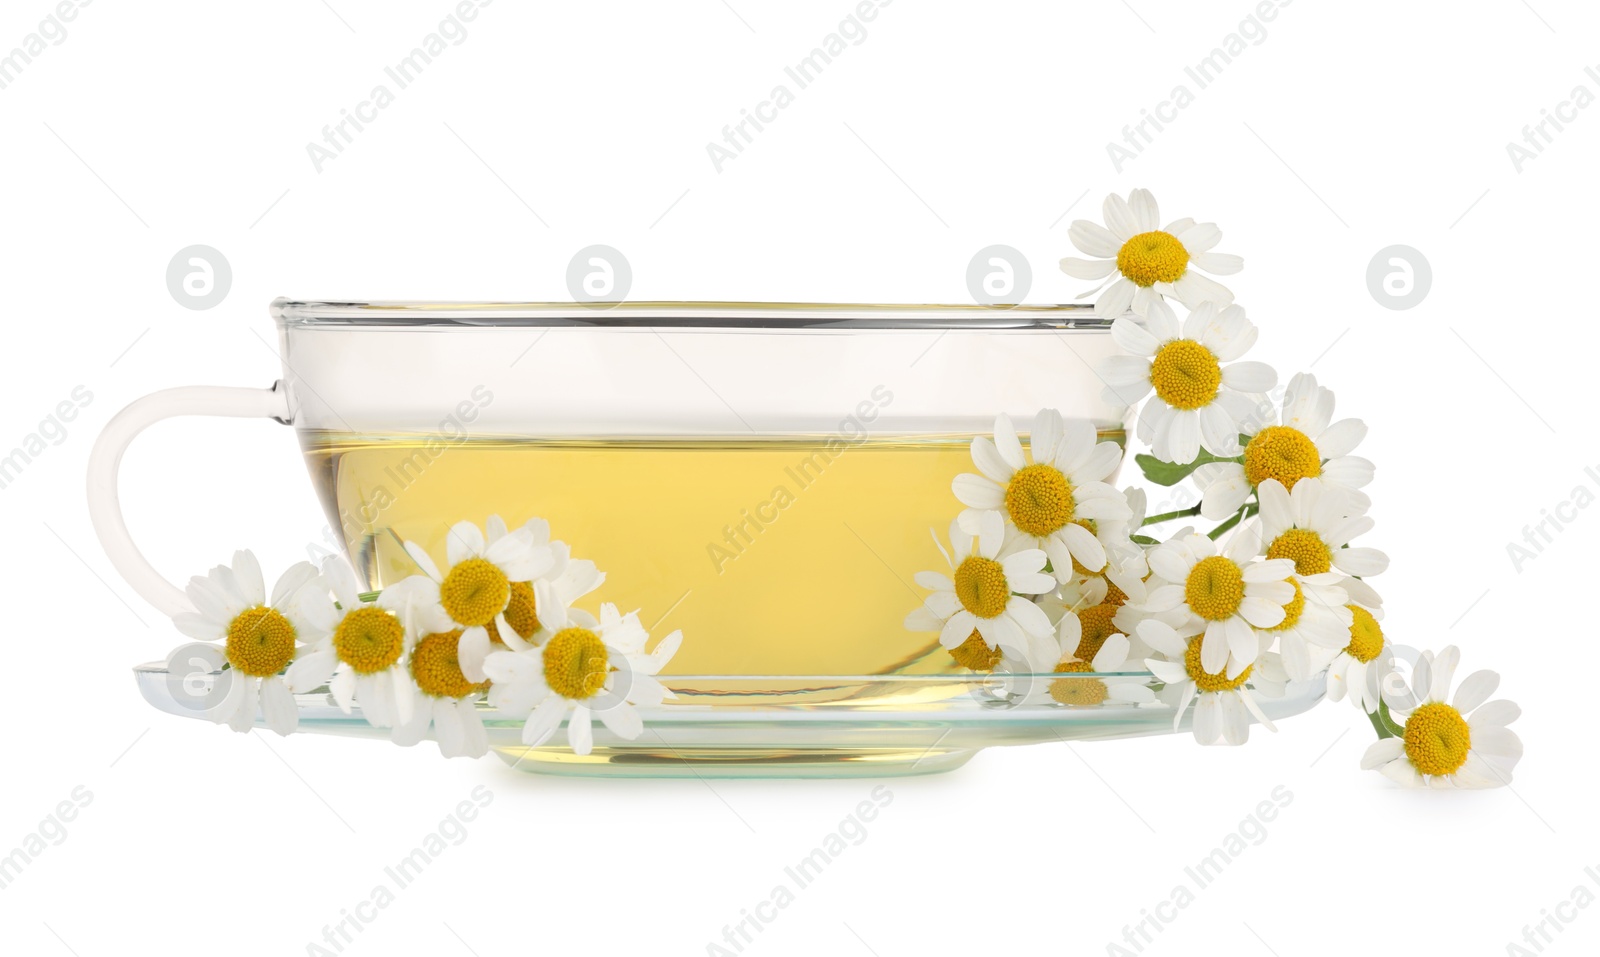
(105, 508)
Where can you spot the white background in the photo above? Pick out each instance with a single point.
(1349, 128)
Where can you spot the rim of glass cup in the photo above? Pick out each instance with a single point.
(754, 315)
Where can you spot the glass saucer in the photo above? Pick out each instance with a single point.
(766, 726)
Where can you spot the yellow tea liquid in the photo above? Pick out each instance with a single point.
(774, 556)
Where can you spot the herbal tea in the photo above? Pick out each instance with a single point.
(774, 556)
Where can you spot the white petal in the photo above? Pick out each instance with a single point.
(463, 541)
(1361, 562)
(1444, 669)
(294, 578)
(1249, 376)
(989, 461)
(247, 574)
(1381, 752)
(472, 648)
(1133, 337)
(1475, 689)
(1146, 214)
(1235, 722)
(1495, 714)
(1028, 616)
(1182, 437)
(424, 561)
(623, 721)
(976, 491)
(544, 721)
(1160, 636)
(1089, 269)
(1208, 719)
(1007, 443)
(1093, 239)
(1341, 438)
(580, 731)
(1120, 219)
(343, 689)
(1218, 432)
(1045, 438)
(1194, 288)
(1084, 547)
(1218, 264)
(474, 736)
(1214, 648)
(278, 707)
(448, 728)
(244, 717)
(1115, 300)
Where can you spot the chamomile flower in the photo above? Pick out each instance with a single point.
(1073, 595)
(362, 659)
(1083, 632)
(1226, 597)
(1312, 526)
(1127, 564)
(475, 590)
(260, 638)
(1449, 742)
(537, 609)
(1059, 500)
(1299, 441)
(986, 595)
(443, 698)
(1202, 393)
(600, 668)
(1223, 704)
(1085, 692)
(1316, 623)
(1148, 261)
(1358, 669)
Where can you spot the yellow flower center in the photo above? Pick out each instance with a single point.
(260, 642)
(975, 653)
(1310, 553)
(520, 614)
(1293, 610)
(369, 640)
(1205, 680)
(474, 592)
(1185, 374)
(1282, 453)
(1366, 638)
(1077, 692)
(576, 663)
(1097, 627)
(1437, 739)
(1215, 588)
(1039, 499)
(1152, 257)
(1114, 595)
(436, 667)
(981, 585)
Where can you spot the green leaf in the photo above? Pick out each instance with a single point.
(1166, 473)
(1163, 473)
(1143, 540)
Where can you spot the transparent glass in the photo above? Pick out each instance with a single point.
(787, 726)
(766, 478)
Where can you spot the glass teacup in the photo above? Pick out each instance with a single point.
(769, 478)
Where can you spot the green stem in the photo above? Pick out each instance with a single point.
(369, 595)
(1169, 516)
(1384, 724)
